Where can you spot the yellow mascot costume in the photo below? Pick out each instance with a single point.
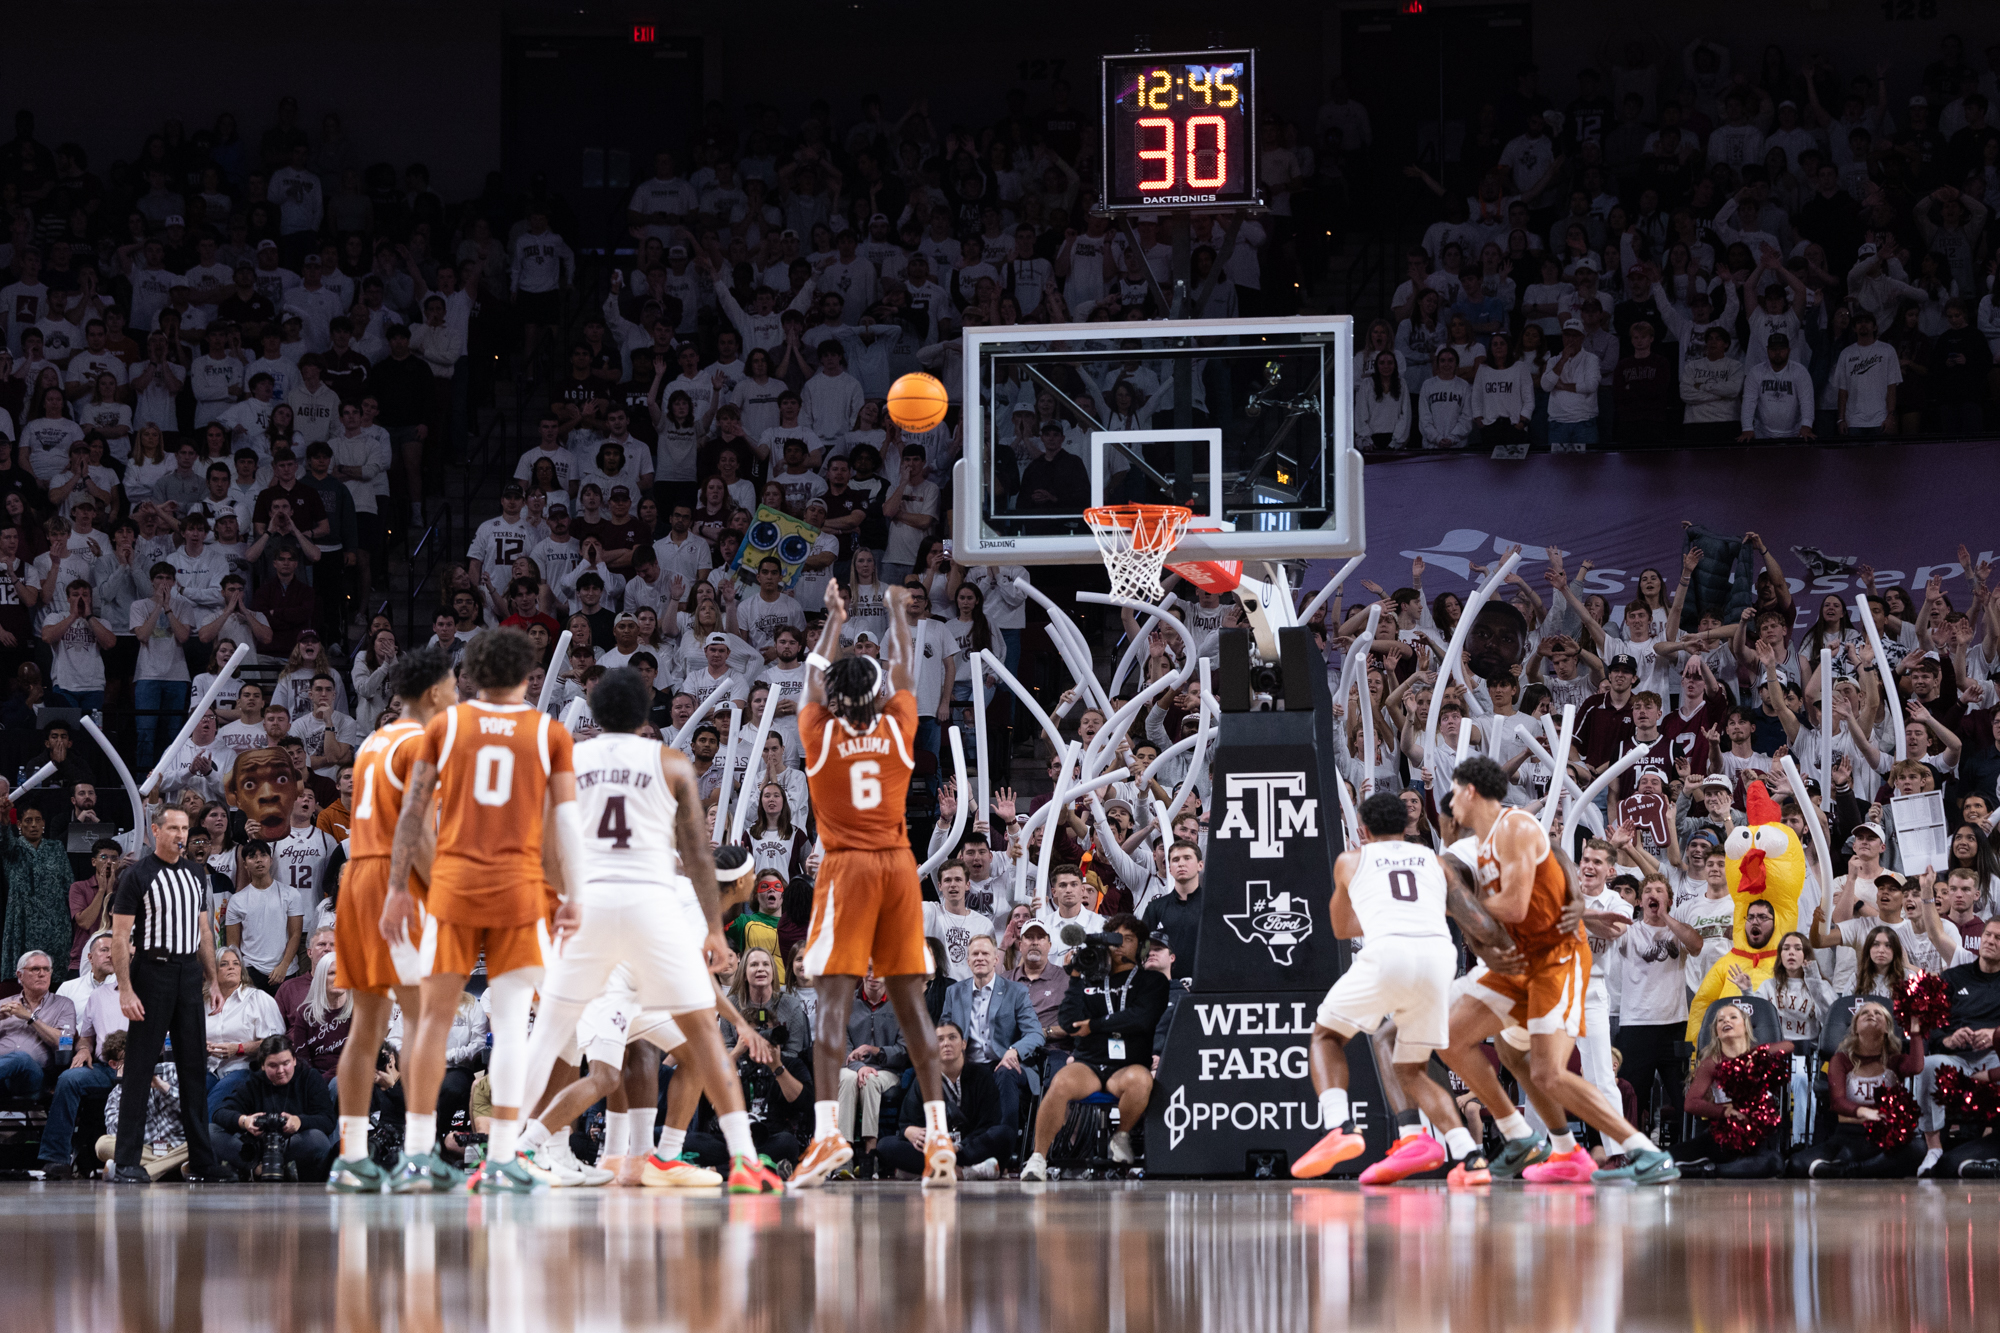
(1767, 862)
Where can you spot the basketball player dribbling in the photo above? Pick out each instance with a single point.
(363, 964)
(1396, 895)
(499, 771)
(1537, 1015)
(857, 727)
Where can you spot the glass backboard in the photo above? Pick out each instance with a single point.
(1245, 421)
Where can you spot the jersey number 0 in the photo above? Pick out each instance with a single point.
(493, 775)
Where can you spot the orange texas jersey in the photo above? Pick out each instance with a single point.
(859, 783)
(381, 770)
(494, 762)
(1537, 932)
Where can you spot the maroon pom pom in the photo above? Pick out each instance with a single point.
(1924, 1004)
(1965, 1099)
(1753, 1081)
(1898, 1111)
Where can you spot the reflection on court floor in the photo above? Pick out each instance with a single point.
(1055, 1258)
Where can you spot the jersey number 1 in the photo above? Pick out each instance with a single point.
(613, 825)
(1403, 886)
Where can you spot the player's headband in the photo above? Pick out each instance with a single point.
(876, 662)
(741, 872)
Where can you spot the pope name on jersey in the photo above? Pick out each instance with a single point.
(493, 766)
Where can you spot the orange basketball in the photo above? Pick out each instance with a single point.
(917, 401)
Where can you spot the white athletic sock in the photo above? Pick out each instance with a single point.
(1561, 1143)
(617, 1134)
(502, 1139)
(935, 1120)
(736, 1132)
(826, 1119)
(353, 1136)
(1333, 1109)
(420, 1132)
(1458, 1142)
(1514, 1126)
(671, 1142)
(533, 1135)
(1638, 1143)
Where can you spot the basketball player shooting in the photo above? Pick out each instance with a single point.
(857, 727)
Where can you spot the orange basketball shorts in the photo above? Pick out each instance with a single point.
(361, 959)
(868, 907)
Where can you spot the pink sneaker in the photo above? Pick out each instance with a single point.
(1413, 1155)
(1570, 1168)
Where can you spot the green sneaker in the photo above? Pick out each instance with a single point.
(1645, 1168)
(357, 1175)
(1518, 1156)
(425, 1173)
(504, 1178)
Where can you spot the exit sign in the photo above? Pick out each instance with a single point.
(644, 33)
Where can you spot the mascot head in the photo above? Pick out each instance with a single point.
(1766, 860)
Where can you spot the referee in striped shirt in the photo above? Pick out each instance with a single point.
(163, 948)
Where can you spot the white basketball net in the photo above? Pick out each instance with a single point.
(1135, 541)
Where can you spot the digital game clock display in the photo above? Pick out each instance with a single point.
(1180, 130)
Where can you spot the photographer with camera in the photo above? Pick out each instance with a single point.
(1112, 1007)
(777, 1082)
(279, 1123)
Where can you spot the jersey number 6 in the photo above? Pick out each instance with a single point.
(865, 783)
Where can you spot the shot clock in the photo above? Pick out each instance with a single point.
(1180, 130)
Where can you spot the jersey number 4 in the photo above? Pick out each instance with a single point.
(865, 785)
(613, 825)
(1403, 886)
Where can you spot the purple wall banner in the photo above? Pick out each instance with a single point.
(1902, 507)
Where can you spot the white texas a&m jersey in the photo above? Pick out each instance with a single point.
(1398, 888)
(627, 814)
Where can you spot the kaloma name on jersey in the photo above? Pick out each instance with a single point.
(870, 744)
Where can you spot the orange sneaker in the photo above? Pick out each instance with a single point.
(1337, 1147)
(1570, 1168)
(824, 1156)
(940, 1163)
(748, 1175)
(1413, 1155)
(1470, 1173)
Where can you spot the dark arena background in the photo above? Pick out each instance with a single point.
(1538, 494)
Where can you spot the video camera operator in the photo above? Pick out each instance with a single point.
(1112, 1007)
(278, 1123)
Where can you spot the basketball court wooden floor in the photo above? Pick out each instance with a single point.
(1101, 1258)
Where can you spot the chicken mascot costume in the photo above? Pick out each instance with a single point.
(1766, 863)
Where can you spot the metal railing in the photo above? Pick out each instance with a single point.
(430, 551)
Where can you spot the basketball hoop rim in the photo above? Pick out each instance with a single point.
(1150, 527)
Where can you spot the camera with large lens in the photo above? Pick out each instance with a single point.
(1091, 951)
(271, 1127)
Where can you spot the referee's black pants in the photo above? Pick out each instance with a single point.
(169, 985)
